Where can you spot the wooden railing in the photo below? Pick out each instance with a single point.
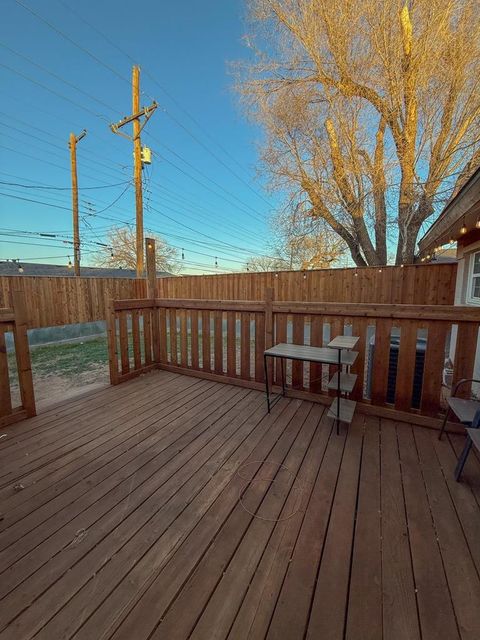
(15, 320)
(225, 340)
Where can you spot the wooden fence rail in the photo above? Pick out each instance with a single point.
(15, 320)
(402, 348)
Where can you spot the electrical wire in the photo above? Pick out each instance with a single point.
(59, 78)
(50, 187)
(73, 42)
(174, 100)
(99, 61)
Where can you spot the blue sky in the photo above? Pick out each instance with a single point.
(201, 193)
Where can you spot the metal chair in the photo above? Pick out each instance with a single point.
(472, 438)
(464, 409)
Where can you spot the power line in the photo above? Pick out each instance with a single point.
(174, 100)
(228, 245)
(50, 187)
(52, 91)
(214, 155)
(112, 70)
(57, 77)
(243, 230)
(73, 42)
(255, 216)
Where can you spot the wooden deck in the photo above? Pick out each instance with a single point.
(121, 519)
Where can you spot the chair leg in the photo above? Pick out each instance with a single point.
(463, 458)
(444, 424)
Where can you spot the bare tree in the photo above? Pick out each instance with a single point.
(371, 110)
(299, 242)
(302, 242)
(121, 251)
(265, 263)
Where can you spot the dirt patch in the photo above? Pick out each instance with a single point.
(64, 370)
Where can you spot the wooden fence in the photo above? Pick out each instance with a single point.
(67, 300)
(414, 284)
(226, 340)
(15, 320)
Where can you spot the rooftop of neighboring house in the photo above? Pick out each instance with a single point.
(14, 268)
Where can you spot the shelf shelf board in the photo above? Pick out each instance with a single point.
(325, 355)
(347, 409)
(343, 342)
(347, 382)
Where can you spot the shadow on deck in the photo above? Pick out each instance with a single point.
(128, 514)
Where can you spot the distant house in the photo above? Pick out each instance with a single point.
(460, 221)
(11, 268)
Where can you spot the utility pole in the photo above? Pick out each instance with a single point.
(137, 113)
(76, 229)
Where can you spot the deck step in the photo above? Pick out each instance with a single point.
(343, 342)
(347, 382)
(347, 409)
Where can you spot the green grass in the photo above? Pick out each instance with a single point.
(64, 359)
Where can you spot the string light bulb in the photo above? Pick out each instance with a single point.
(356, 274)
(216, 262)
(183, 254)
(477, 224)
(20, 268)
(304, 275)
(69, 263)
(463, 230)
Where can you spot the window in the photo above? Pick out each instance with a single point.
(473, 294)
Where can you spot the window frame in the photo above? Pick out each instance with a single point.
(469, 297)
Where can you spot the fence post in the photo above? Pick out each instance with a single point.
(151, 262)
(151, 267)
(22, 351)
(269, 328)
(112, 341)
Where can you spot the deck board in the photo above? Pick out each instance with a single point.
(129, 524)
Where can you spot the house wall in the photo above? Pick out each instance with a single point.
(466, 247)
